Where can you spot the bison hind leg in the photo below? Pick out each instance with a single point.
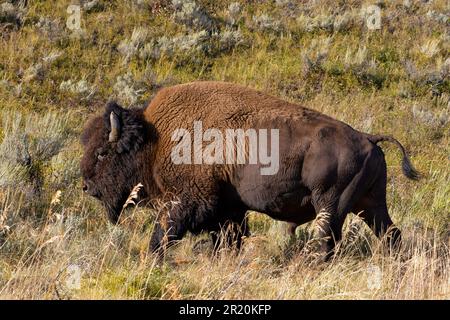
(375, 214)
(377, 218)
(373, 210)
(327, 232)
(333, 206)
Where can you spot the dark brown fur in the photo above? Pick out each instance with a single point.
(325, 165)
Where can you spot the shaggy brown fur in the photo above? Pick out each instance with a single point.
(325, 165)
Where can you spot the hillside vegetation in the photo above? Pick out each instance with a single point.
(56, 71)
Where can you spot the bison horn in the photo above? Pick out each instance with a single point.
(115, 127)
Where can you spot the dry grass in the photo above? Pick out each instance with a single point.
(113, 262)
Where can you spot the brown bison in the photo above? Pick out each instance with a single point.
(325, 169)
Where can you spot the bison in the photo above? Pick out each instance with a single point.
(326, 169)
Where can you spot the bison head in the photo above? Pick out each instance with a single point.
(113, 143)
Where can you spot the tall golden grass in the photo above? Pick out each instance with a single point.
(113, 262)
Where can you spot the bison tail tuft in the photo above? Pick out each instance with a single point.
(407, 167)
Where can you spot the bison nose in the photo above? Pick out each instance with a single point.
(85, 187)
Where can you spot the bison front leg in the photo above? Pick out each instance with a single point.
(165, 236)
(230, 234)
(169, 229)
(290, 229)
(241, 231)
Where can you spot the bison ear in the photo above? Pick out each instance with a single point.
(126, 127)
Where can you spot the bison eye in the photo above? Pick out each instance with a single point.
(101, 154)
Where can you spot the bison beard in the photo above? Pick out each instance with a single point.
(326, 169)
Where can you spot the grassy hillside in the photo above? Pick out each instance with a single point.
(323, 54)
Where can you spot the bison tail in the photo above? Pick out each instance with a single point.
(407, 167)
